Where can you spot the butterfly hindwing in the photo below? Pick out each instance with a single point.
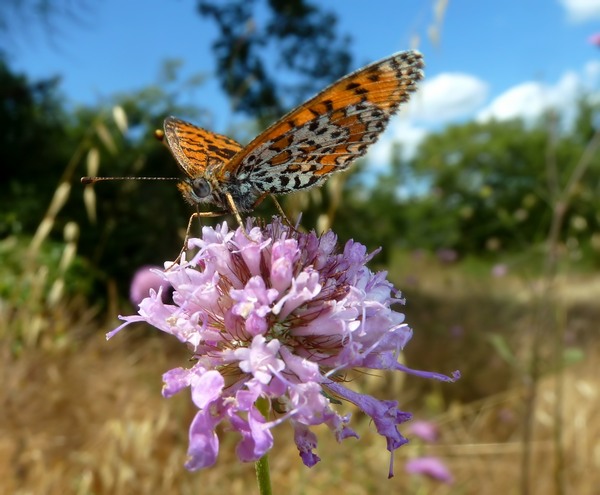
(195, 149)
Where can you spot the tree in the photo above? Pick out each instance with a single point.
(479, 186)
(494, 178)
(253, 55)
(32, 142)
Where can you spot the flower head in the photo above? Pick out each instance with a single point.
(278, 315)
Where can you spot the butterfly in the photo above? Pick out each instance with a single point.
(304, 148)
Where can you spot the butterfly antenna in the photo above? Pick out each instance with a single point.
(93, 180)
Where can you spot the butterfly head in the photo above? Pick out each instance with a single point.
(197, 190)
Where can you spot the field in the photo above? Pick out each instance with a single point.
(85, 416)
(483, 193)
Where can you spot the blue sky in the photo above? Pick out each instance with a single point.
(493, 59)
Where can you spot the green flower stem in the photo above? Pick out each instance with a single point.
(263, 475)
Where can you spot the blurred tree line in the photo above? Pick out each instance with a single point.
(473, 187)
(481, 188)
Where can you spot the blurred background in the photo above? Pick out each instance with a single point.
(483, 194)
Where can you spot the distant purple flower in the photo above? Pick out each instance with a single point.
(278, 315)
(499, 270)
(431, 467)
(457, 331)
(418, 254)
(446, 255)
(506, 415)
(425, 430)
(144, 279)
(594, 39)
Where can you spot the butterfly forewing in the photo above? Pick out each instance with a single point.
(195, 149)
(328, 132)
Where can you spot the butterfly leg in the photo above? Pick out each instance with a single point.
(282, 213)
(236, 212)
(198, 214)
(277, 205)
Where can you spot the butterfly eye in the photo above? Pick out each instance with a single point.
(201, 188)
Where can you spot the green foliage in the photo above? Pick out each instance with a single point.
(490, 178)
(32, 146)
(43, 293)
(472, 187)
(501, 180)
(23, 281)
(481, 187)
(43, 145)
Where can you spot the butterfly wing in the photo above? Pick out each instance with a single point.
(196, 149)
(328, 132)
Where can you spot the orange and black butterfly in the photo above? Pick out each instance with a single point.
(302, 149)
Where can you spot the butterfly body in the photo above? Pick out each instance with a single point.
(203, 190)
(301, 150)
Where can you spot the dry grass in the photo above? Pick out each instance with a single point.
(89, 418)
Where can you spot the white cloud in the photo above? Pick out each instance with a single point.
(529, 100)
(524, 100)
(402, 131)
(591, 73)
(444, 98)
(448, 96)
(582, 10)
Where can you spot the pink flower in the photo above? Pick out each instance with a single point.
(425, 430)
(144, 279)
(432, 467)
(278, 315)
(446, 256)
(499, 270)
(594, 39)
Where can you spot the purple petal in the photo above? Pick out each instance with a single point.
(257, 438)
(206, 388)
(176, 380)
(251, 250)
(305, 287)
(283, 256)
(253, 304)
(385, 414)
(304, 369)
(204, 443)
(260, 359)
(306, 441)
(308, 405)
